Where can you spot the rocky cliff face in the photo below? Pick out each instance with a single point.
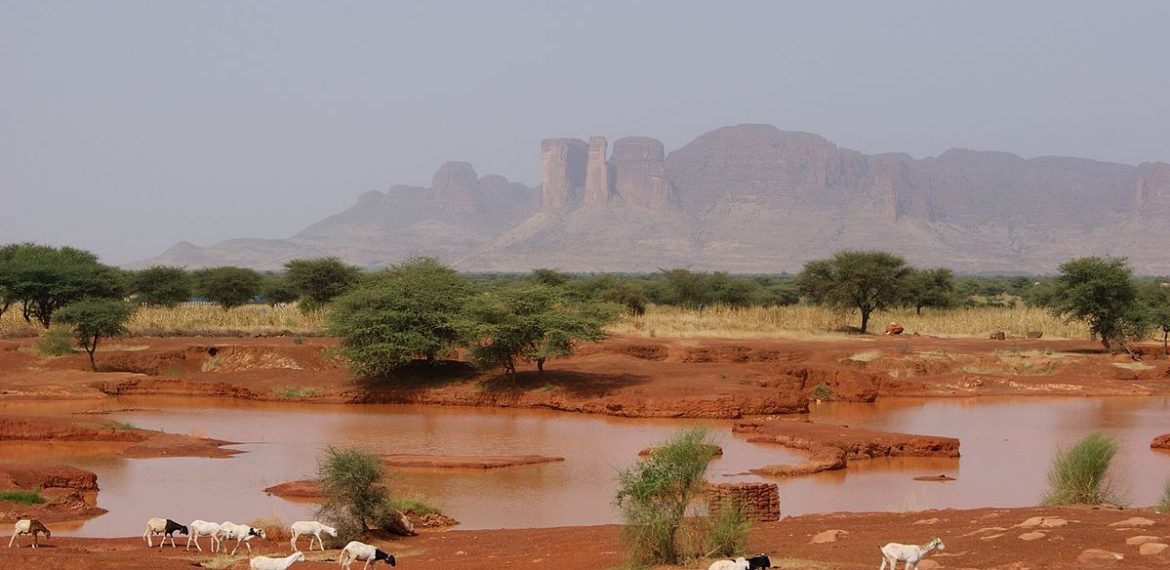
(562, 167)
(597, 179)
(748, 198)
(639, 165)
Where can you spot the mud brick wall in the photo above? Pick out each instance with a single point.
(761, 501)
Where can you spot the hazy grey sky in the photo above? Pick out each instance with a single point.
(128, 126)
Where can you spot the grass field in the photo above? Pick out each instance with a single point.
(660, 321)
(805, 320)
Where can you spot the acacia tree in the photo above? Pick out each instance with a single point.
(930, 288)
(95, 319)
(1155, 296)
(867, 280)
(1100, 292)
(412, 310)
(161, 285)
(43, 279)
(229, 286)
(534, 322)
(320, 280)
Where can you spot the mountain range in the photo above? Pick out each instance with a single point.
(745, 198)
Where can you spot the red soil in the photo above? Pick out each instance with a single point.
(984, 539)
(399, 461)
(126, 441)
(833, 446)
(1161, 442)
(69, 492)
(626, 376)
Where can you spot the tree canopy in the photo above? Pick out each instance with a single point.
(94, 319)
(229, 286)
(161, 286)
(43, 279)
(320, 280)
(412, 310)
(930, 288)
(866, 280)
(1100, 291)
(531, 321)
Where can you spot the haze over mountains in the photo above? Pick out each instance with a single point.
(746, 198)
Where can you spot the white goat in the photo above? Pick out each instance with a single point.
(204, 528)
(911, 553)
(312, 528)
(360, 551)
(29, 526)
(266, 563)
(241, 532)
(165, 527)
(737, 564)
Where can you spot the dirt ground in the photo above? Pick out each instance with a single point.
(626, 376)
(984, 539)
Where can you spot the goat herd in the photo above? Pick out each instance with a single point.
(242, 533)
(892, 553)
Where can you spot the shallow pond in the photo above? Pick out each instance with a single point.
(1006, 447)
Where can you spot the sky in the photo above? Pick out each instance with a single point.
(126, 127)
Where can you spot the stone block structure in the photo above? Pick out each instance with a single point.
(761, 501)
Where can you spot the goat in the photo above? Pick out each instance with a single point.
(266, 563)
(29, 526)
(911, 553)
(760, 560)
(204, 528)
(241, 532)
(737, 564)
(312, 528)
(360, 551)
(165, 527)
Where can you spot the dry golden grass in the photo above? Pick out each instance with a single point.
(208, 320)
(805, 321)
(811, 321)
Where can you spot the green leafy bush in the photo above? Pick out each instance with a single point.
(654, 494)
(56, 341)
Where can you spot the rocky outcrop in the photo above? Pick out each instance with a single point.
(639, 166)
(562, 168)
(744, 198)
(597, 178)
(454, 187)
(67, 493)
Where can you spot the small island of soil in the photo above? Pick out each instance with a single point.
(832, 446)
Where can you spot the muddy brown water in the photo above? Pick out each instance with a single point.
(1006, 446)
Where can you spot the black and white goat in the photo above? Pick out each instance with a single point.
(166, 527)
(241, 532)
(360, 551)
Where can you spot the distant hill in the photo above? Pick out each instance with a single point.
(747, 198)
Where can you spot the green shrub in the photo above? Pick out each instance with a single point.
(22, 497)
(727, 531)
(352, 488)
(1164, 502)
(412, 504)
(1077, 476)
(56, 341)
(654, 494)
